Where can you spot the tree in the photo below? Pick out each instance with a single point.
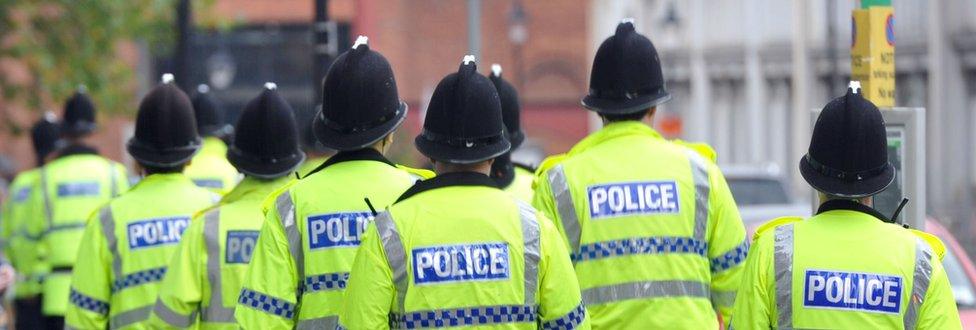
(67, 43)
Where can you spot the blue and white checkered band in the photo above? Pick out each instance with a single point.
(79, 189)
(473, 316)
(852, 291)
(209, 183)
(568, 322)
(139, 278)
(464, 262)
(156, 232)
(21, 194)
(337, 229)
(266, 303)
(239, 246)
(88, 303)
(633, 198)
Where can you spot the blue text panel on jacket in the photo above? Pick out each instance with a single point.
(21, 194)
(852, 291)
(79, 188)
(633, 198)
(240, 245)
(465, 262)
(155, 232)
(337, 229)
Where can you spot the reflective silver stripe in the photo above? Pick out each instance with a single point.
(114, 188)
(783, 267)
(130, 317)
(395, 255)
(699, 173)
(723, 298)
(286, 213)
(108, 230)
(531, 256)
(173, 318)
(643, 290)
(215, 310)
(322, 323)
(48, 212)
(920, 282)
(564, 206)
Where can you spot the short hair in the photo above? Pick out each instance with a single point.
(633, 116)
(163, 169)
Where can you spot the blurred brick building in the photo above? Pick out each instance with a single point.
(423, 39)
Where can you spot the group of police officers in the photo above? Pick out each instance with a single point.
(627, 230)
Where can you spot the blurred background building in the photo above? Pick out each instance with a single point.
(744, 73)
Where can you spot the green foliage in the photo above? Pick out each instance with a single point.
(67, 43)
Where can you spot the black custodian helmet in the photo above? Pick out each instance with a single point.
(360, 102)
(166, 131)
(626, 76)
(464, 119)
(266, 143)
(848, 155)
(208, 112)
(511, 108)
(79, 114)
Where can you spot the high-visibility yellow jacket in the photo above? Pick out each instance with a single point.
(125, 249)
(72, 187)
(844, 269)
(456, 251)
(307, 244)
(19, 246)
(210, 168)
(521, 187)
(654, 233)
(204, 277)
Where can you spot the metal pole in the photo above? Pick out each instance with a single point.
(474, 28)
(831, 41)
(321, 58)
(184, 30)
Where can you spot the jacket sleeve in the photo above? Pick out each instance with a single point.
(88, 302)
(754, 306)
(371, 283)
(268, 297)
(560, 302)
(181, 290)
(938, 309)
(727, 243)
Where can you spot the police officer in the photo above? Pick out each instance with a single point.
(71, 187)
(456, 251)
(514, 178)
(128, 241)
(205, 275)
(652, 227)
(20, 247)
(298, 272)
(847, 267)
(209, 168)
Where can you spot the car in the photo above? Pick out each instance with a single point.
(761, 194)
(961, 272)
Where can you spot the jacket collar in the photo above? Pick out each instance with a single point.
(612, 131)
(76, 149)
(847, 205)
(254, 188)
(449, 180)
(354, 155)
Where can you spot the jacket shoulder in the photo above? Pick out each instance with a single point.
(703, 149)
(419, 173)
(768, 226)
(934, 242)
(549, 163)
